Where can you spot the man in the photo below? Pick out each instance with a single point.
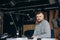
(42, 28)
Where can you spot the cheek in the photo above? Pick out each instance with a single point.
(39, 18)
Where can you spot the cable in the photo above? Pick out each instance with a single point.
(13, 20)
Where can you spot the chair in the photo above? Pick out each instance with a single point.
(52, 33)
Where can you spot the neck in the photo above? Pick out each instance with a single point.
(39, 22)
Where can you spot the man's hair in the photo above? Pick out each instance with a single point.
(38, 12)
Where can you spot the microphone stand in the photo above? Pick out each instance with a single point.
(17, 29)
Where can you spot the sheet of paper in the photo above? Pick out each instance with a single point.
(17, 39)
(48, 39)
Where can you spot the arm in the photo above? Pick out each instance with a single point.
(35, 32)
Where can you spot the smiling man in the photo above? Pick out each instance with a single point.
(42, 27)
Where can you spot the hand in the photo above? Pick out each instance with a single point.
(34, 36)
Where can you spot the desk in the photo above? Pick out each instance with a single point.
(17, 39)
(48, 39)
(30, 39)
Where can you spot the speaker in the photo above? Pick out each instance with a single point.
(39, 39)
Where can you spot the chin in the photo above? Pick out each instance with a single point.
(39, 21)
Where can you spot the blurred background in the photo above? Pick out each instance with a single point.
(20, 15)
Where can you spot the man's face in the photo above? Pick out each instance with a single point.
(39, 17)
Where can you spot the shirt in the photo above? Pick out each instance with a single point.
(42, 30)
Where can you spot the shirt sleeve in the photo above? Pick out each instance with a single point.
(35, 32)
(47, 33)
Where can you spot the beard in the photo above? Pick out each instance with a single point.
(38, 21)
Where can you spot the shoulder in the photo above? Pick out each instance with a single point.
(45, 21)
